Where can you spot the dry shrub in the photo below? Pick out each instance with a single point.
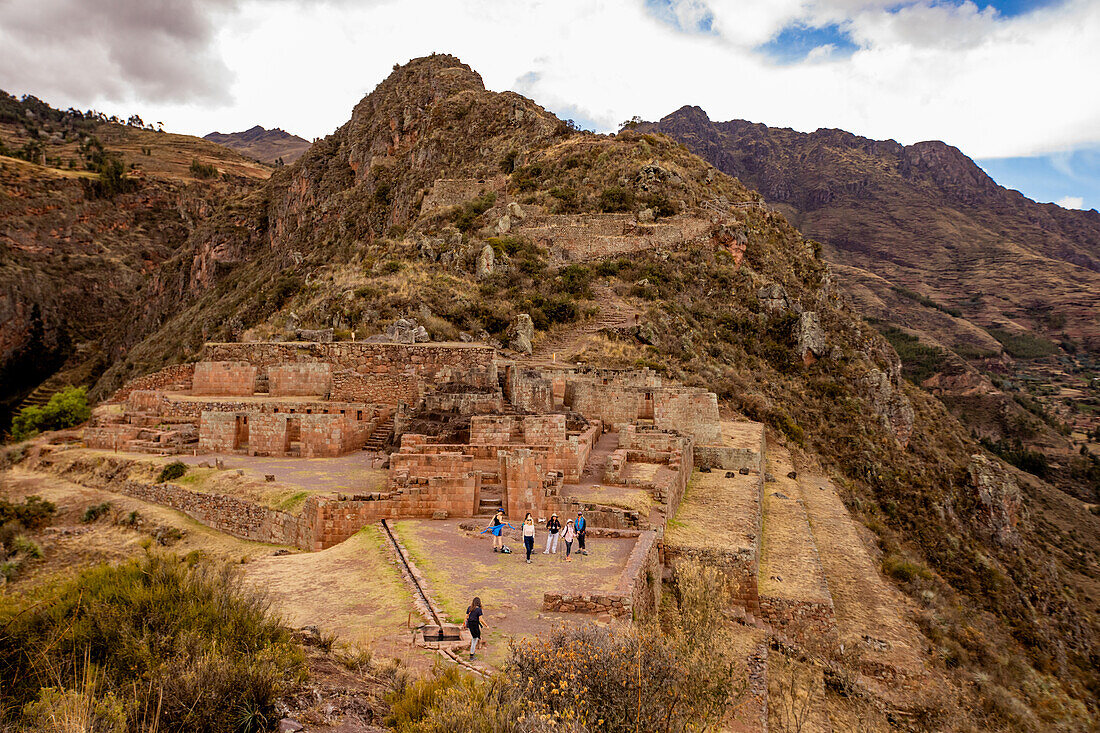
(186, 639)
(675, 676)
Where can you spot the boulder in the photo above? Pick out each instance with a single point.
(516, 212)
(486, 259)
(402, 331)
(888, 403)
(503, 225)
(646, 216)
(810, 338)
(521, 334)
(774, 299)
(998, 497)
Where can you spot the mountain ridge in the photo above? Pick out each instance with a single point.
(267, 146)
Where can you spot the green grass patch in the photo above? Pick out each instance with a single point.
(293, 502)
(1024, 345)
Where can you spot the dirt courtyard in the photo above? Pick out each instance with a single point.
(459, 565)
(353, 473)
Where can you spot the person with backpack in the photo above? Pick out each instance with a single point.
(474, 623)
(580, 525)
(528, 535)
(553, 527)
(568, 535)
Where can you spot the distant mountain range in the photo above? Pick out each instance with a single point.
(266, 146)
(991, 298)
(923, 218)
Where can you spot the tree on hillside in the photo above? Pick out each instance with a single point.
(65, 409)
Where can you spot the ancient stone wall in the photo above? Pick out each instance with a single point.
(472, 364)
(326, 436)
(267, 434)
(739, 566)
(144, 400)
(218, 432)
(532, 394)
(798, 619)
(300, 379)
(614, 405)
(464, 403)
(496, 429)
(382, 389)
(543, 429)
(224, 378)
(110, 437)
(176, 378)
(691, 412)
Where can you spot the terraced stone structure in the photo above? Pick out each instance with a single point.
(464, 430)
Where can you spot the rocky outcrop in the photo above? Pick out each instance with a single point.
(810, 338)
(521, 333)
(485, 262)
(999, 501)
(888, 402)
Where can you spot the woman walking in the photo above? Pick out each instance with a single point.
(528, 535)
(474, 624)
(567, 536)
(553, 527)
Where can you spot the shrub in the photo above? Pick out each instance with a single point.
(172, 471)
(1024, 345)
(616, 198)
(918, 361)
(191, 640)
(26, 547)
(33, 513)
(65, 409)
(568, 201)
(202, 170)
(575, 279)
(903, 569)
(466, 215)
(95, 511)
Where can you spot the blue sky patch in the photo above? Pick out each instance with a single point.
(1012, 8)
(665, 11)
(1057, 177)
(796, 42)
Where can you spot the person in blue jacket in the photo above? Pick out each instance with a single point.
(497, 528)
(580, 525)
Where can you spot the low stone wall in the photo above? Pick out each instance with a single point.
(798, 619)
(637, 593)
(175, 377)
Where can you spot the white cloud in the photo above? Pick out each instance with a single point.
(1071, 202)
(994, 87)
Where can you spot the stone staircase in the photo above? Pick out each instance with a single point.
(380, 436)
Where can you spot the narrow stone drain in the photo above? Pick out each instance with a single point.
(440, 632)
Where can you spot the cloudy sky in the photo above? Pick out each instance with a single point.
(1013, 83)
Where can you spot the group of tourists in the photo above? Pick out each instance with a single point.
(572, 531)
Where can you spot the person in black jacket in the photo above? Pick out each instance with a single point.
(474, 623)
(553, 531)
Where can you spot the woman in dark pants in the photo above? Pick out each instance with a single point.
(528, 535)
